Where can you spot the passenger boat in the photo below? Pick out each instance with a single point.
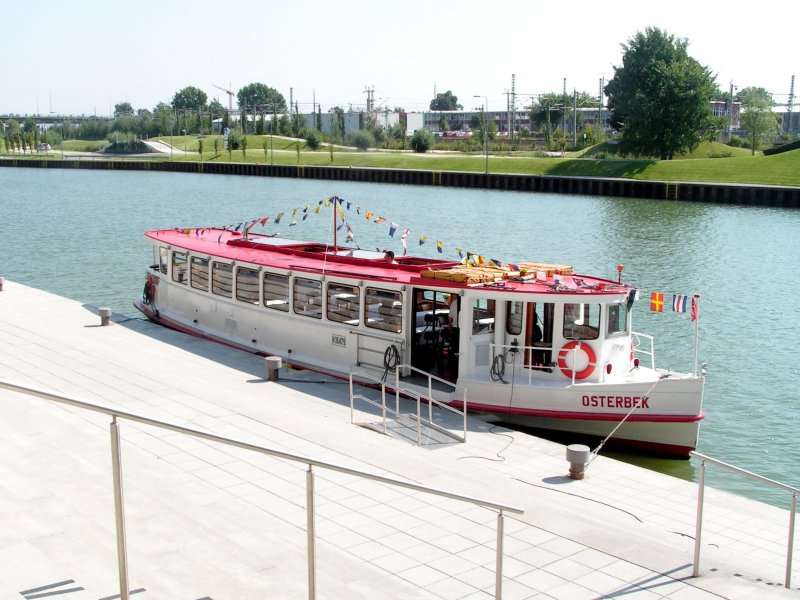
(531, 344)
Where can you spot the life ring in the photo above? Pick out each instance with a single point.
(149, 292)
(562, 359)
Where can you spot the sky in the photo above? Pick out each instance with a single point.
(85, 56)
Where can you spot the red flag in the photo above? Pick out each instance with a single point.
(657, 302)
(695, 309)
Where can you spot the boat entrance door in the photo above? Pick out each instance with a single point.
(435, 344)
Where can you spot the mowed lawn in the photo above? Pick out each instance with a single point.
(710, 163)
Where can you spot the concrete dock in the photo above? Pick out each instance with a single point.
(207, 522)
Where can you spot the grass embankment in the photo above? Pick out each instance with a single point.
(711, 162)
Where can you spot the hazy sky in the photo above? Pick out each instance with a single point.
(84, 56)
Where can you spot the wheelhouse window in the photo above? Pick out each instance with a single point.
(383, 309)
(199, 273)
(308, 297)
(514, 311)
(179, 266)
(343, 303)
(276, 291)
(483, 316)
(617, 319)
(222, 279)
(247, 285)
(581, 321)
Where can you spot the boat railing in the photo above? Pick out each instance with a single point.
(413, 395)
(530, 367)
(759, 478)
(118, 414)
(636, 338)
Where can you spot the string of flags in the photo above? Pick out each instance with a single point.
(302, 213)
(680, 302)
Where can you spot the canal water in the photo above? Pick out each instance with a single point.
(79, 234)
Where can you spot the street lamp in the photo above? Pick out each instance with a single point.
(484, 110)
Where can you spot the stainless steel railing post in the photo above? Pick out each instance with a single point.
(312, 553)
(698, 528)
(498, 570)
(119, 510)
(788, 582)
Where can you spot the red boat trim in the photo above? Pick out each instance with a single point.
(579, 416)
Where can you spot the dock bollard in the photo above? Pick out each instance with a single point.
(273, 364)
(578, 456)
(105, 316)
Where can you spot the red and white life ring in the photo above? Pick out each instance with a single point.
(562, 359)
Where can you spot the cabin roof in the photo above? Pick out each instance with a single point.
(353, 262)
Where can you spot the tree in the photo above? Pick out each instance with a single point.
(549, 111)
(189, 98)
(421, 141)
(491, 129)
(660, 97)
(446, 101)
(200, 148)
(757, 117)
(244, 147)
(259, 96)
(338, 123)
(123, 109)
(164, 117)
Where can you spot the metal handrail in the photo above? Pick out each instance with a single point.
(116, 413)
(431, 400)
(759, 478)
(413, 395)
(651, 353)
(537, 370)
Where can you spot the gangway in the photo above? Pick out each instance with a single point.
(408, 425)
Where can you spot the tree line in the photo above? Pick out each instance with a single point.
(659, 101)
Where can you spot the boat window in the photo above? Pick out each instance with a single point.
(483, 316)
(162, 259)
(222, 279)
(581, 321)
(247, 285)
(308, 297)
(514, 311)
(343, 303)
(199, 273)
(179, 267)
(617, 319)
(276, 291)
(383, 309)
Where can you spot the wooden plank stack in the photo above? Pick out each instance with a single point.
(473, 275)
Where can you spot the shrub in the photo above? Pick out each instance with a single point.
(234, 140)
(313, 138)
(784, 148)
(362, 139)
(421, 141)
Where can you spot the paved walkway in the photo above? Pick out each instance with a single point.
(212, 522)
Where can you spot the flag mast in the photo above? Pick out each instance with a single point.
(695, 317)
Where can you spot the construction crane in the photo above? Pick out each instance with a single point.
(230, 95)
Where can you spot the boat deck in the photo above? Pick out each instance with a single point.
(206, 522)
